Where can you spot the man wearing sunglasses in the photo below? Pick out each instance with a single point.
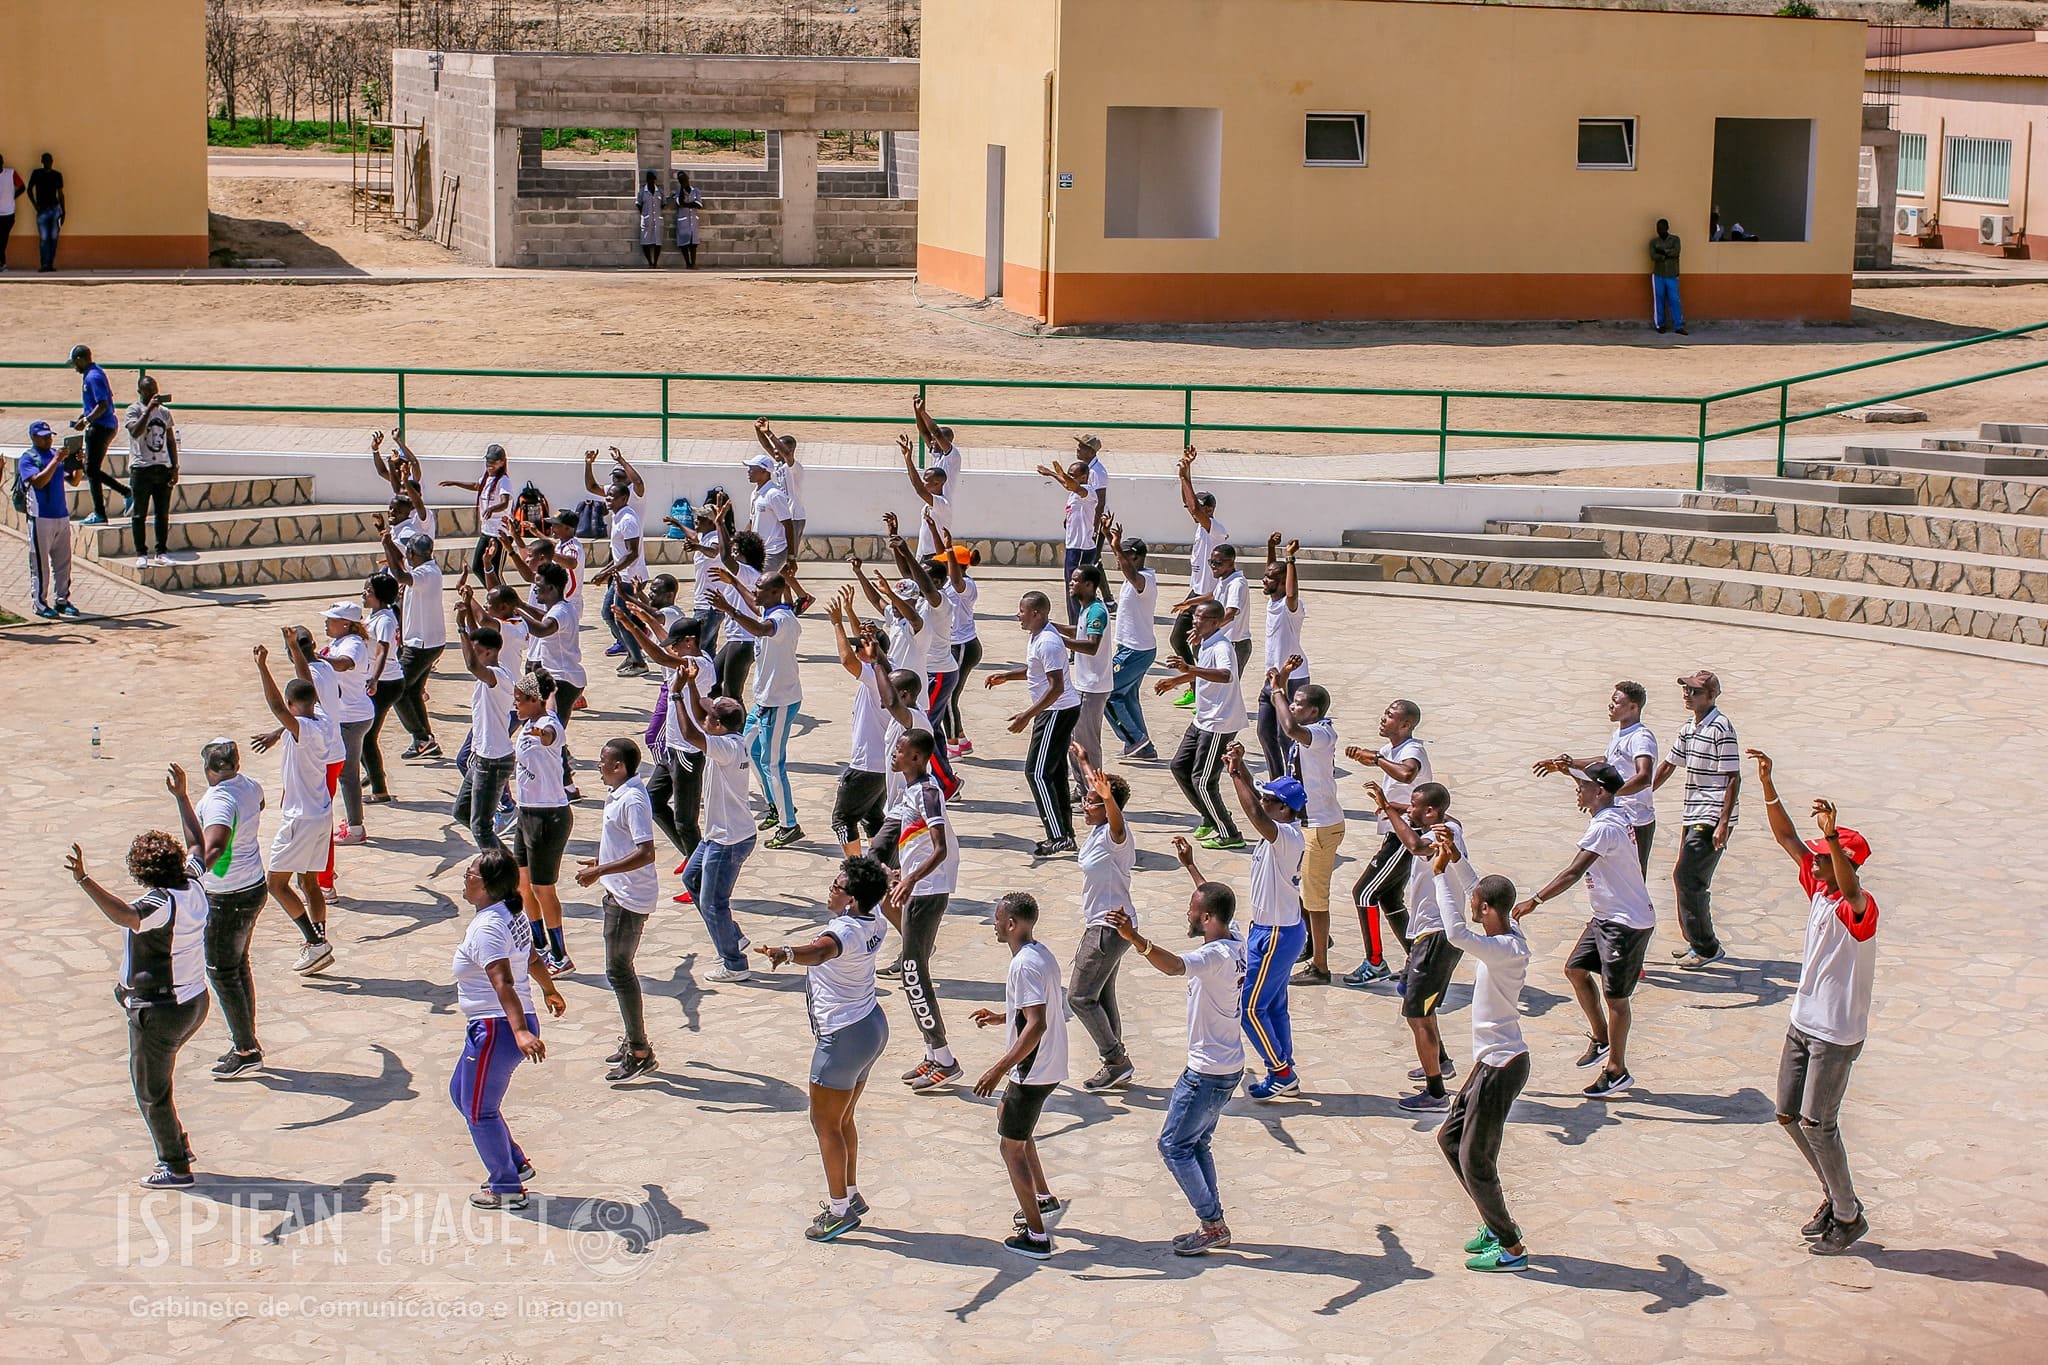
(1707, 750)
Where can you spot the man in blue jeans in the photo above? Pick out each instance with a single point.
(1215, 973)
(46, 197)
(716, 728)
(1664, 308)
(1137, 642)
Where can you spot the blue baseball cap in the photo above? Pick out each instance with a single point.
(39, 428)
(1288, 792)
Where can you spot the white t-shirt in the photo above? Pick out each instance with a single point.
(870, 722)
(789, 478)
(1283, 634)
(893, 789)
(419, 522)
(1399, 792)
(727, 820)
(1202, 578)
(702, 561)
(514, 636)
(1081, 520)
(1314, 765)
(938, 634)
(569, 554)
(303, 790)
(1426, 913)
(1833, 999)
(1106, 868)
(918, 810)
(841, 992)
(1098, 478)
(941, 509)
(949, 460)
(1092, 672)
(494, 487)
(183, 913)
(730, 597)
(1034, 979)
(910, 648)
(1622, 751)
(1235, 593)
(354, 703)
(775, 676)
(561, 653)
(629, 823)
(1215, 1007)
(490, 714)
(626, 527)
(1614, 883)
(327, 686)
(672, 720)
(1136, 613)
(537, 778)
(1276, 876)
(383, 628)
(962, 600)
(772, 507)
(1043, 657)
(236, 805)
(426, 623)
(494, 934)
(1219, 706)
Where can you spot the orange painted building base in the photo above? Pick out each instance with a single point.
(105, 253)
(1111, 299)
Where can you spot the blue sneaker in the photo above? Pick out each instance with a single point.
(1368, 973)
(1275, 1085)
(614, 650)
(1422, 1102)
(164, 1178)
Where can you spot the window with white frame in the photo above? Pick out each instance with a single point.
(1912, 163)
(1978, 169)
(1607, 144)
(1334, 140)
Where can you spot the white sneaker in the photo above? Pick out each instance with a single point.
(143, 561)
(727, 975)
(352, 834)
(313, 956)
(160, 561)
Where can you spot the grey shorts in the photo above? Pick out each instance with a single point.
(843, 1057)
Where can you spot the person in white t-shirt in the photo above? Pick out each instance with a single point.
(789, 477)
(716, 728)
(1090, 652)
(628, 566)
(1312, 761)
(1401, 761)
(540, 832)
(1632, 749)
(1136, 640)
(1082, 533)
(1033, 1064)
(493, 491)
(1108, 858)
(1608, 958)
(945, 452)
(423, 631)
(1209, 532)
(298, 849)
(1219, 715)
(863, 786)
(1215, 973)
(1285, 615)
(850, 1026)
(1830, 1010)
(963, 644)
(384, 670)
(1432, 958)
(778, 696)
(936, 513)
(347, 652)
(1274, 943)
(1054, 708)
(490, 725)
(772, 517)
(624, 867)
(919, 842)
(223, 840)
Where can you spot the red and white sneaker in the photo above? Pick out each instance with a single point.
(965, 746)
(582, 704)
(351, 835)
(684, 898)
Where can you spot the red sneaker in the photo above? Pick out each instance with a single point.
(582, 704)
(683, 898)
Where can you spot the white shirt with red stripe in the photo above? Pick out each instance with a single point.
(1833, 999)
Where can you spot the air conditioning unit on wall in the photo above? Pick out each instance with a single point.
(1994, 230)
(1907, 223)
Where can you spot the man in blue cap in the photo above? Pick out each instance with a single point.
(40, 475)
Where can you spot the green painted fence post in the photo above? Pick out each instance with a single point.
(1187, 417)
(401, 400)
(1784, 397)
(922, 399)
(1699, 474)
(1443, 437)
(664, 419)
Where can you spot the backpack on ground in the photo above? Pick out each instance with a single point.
(684, 515)
(593, 519)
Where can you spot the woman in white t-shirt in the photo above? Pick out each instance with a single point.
(493, 508)
(1090, 652)
(851, 1029)
(383, 671)
(495, 968)
(962, 592)
(347, 652)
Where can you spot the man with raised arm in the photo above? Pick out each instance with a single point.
(1208, 534)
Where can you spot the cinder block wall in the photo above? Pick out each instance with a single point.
(867, 233)
(459, 123)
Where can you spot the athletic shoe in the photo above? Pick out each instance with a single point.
(1692, 962)
(892, 969)
(142, 561)
(684, 898)
(313, 957)
(1185, 699)
(1310, 976)
(1274, 1085)
(503, 822)
(95, 519)
(917, 1070)
(1202, 1240)
(159, 561)
(582, 704)
(1224, 844)
(681, 866)
(619, 1053)
(1368, 972)
(1840, 1236)
(1483, 1239)
(48, 613)
(828, 1225)
(633, 668)
(1049, 1207)
(1608, 1083)
(558, 964)
(728, 975)
(1496, 1260)
(1112, 1075)
(1818, 1224)
(433, 749)
(1144, 753)
(234, 1063)
(487, 1199)
(630, 1066)
(1024, 1244)
(1595, 1053)
(1203, 832)
(352, 834)
(526, 1172)
(953, 750)
(1449, 1069)
(1422, 1102)
(1051, 848)
(857, 1206)
(966, 746)
(935, 1076)
(769, 821)
(65, 609)
(614, 650)
(784, 837)
(162, 1177)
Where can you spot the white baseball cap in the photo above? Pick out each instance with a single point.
(344, 611)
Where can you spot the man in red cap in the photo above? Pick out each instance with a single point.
(1831, 1008)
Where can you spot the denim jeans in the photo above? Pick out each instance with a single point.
(1128, 668)
(1191, 1113)
(1813, 1076)
(709, 878)
(47, 223)
(155, 1033)
(620, 635)
(230, 920)
(476, 800)
(1664, 307)
(622, 930)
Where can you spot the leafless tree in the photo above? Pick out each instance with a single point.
(225, 21)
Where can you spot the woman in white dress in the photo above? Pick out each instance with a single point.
(650, 202)
(687, 202)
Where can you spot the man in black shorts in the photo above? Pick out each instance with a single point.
(1432, 958)
(1617, 937)
(1035, 1062)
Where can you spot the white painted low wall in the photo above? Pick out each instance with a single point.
(1003, 505)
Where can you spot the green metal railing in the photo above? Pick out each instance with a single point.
(665, 412)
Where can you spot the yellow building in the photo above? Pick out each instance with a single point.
(1111, 161)
(115, 92)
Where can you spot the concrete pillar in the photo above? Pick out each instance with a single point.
(651, 152)
(799, 198)
(505, 248)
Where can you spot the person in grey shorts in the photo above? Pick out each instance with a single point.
(852, 1030)
(1830, 1010)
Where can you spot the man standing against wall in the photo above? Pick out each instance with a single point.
(46, 197)
(1664, 308)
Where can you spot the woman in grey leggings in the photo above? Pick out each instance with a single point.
(347, 652)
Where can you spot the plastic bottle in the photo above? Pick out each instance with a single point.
(95, 741)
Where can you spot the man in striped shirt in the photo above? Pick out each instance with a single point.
(1707, 750)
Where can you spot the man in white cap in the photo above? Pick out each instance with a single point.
(773, 518)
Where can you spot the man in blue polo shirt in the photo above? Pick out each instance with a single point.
(99, 420)
(40, 470)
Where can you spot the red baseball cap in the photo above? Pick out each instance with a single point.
(1853, 844)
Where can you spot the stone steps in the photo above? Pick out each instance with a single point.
(1929, 488)
(1986, 447)
(345, 565)
(1688, 518)
(1460, 543)
(1948, 457)
(2025, 433)
(195, 494)
(1812, 490)
(1311, 566)
(1931, 528)
(262, 527)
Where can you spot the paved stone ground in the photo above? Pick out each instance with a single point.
(330, 1220)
